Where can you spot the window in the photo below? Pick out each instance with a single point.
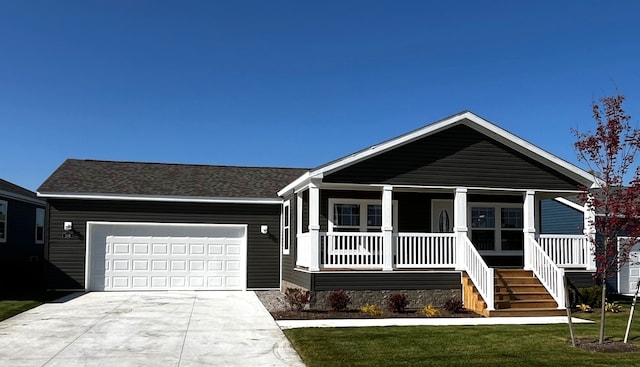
(352, 215)
(3, 220)
(286, 227)
(497, 227)
(39, 225)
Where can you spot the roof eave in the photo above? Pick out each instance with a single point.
(168, 198)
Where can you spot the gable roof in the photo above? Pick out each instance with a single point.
(10, 190)
(464, 118)
(155, 181)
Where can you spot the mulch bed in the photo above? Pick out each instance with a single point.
(608, 346)
(356, 314)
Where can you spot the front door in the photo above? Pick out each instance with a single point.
(442, 216)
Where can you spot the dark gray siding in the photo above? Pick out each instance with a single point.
(67, 255)
(557, 218)
(328, 281)
(459, 156)
(580, 279)
(20, 256)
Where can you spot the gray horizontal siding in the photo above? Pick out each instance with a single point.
(459, 156)
(580, 279)
(66, 257)
(327, 281)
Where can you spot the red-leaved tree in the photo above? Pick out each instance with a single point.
(610, 152)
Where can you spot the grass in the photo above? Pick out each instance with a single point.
(13, 303)
(500, 345)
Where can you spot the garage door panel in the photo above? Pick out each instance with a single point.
(165, 262)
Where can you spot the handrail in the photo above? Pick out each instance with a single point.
(568, 251)
(549, 274)
(425, 250)
(480, 273)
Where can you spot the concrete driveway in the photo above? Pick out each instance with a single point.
(147, 329)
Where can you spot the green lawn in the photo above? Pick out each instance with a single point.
(510, 345)
(13, 303)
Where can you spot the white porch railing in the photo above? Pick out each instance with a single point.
(303, 250)
(481, 275)
(567, 251)
(351, 250)
(425, 250)
(549, 274)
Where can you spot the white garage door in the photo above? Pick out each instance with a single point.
(630, 273)
(145, 256)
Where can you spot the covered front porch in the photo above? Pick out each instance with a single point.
(469, 230)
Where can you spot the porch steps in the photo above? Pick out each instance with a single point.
(517, 293)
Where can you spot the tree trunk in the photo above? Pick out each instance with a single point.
(602, 310)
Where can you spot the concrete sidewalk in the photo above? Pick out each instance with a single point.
(147, 329)
(448, 321)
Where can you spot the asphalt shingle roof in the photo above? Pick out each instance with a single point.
(15, 189)
(161, 179)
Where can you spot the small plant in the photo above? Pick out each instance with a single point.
(591, 296)
(430, 311)
(454, 305)
(398, 302)
(372, 310)
(612, 307)
(296, 298)
(339, 300)
(583, 307)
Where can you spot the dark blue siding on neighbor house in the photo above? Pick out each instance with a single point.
(558, 218)
(20, 255)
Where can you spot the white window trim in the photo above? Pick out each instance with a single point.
(6, 219)
(299, 204)
(286, 229)
(497, 229)
(363, 214)
(39, 241)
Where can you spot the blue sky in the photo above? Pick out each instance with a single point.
(296, 83)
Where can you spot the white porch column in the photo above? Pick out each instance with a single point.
(387, 228)
(589, 231)
(460, 223)
(314, 227)
(529, 225)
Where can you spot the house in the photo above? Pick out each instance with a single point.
(452, 208)
(22, 237)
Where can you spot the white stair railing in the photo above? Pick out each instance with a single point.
(481, 275)
(549, 274)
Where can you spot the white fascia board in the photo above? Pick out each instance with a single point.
(296, 184)
(11, 195)
(480, 124)
(570, 204)
(177, 199)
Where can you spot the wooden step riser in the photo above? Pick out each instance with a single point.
(523, 296)
(516, 280)
(529, 288)
(527, 313)
(513, 273)
(525, 304)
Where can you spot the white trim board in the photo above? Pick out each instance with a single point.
(178, 199)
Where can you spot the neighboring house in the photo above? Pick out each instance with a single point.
(432, 213)
(22, 237)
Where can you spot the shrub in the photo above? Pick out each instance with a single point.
(612, 307)
(398, 302)
(430, 311)
(454, 305)
(339, 300)
(296, 298)
(372, 310)
(591, 296)
(585, 307)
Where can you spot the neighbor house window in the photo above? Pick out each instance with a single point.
(286, 227)
(3, 220)
(39, 225)
(352, 215)
(497, 227)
